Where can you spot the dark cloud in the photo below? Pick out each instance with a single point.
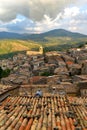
(33, 9)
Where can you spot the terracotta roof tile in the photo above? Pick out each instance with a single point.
(47, 113)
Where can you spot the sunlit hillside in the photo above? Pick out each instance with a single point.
(9, 46)
(50, 44)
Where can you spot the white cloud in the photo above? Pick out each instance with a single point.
(14, 21)
(3, 29)
(36, 16)
(73, 28)
(71, 12)
(71, 21)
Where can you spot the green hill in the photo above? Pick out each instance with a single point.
(9, 46)
(56, 43)
(56, 33)
(55, 40)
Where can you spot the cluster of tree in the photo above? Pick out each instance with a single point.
(46, 73)
(82, 45)
(4, 73)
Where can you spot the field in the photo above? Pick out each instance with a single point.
(11, 47)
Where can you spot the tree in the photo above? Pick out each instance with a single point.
(1, 72)
(4, 73)
(81, 45)
(46, 73)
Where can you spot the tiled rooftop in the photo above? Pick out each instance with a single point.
(4, 88)
(47, 113)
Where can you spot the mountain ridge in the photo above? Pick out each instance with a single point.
(38, 37)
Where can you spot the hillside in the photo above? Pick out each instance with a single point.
(42, 36)
(54, 33)
(58, 40)
(9, 46)
(10, 35)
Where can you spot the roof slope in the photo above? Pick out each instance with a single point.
(24, 113)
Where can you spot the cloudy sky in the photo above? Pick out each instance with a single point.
(36, 16)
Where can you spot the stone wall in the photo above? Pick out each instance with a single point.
(46, 89)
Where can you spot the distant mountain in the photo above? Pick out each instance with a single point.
(42, 36)
(63, 33)
(10, 35)
(55, 33)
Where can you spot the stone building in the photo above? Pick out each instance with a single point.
(35, 52)
(83, 88)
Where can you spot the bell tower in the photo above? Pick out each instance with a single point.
(41, 50)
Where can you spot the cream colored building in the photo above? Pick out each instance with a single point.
(35, 52)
